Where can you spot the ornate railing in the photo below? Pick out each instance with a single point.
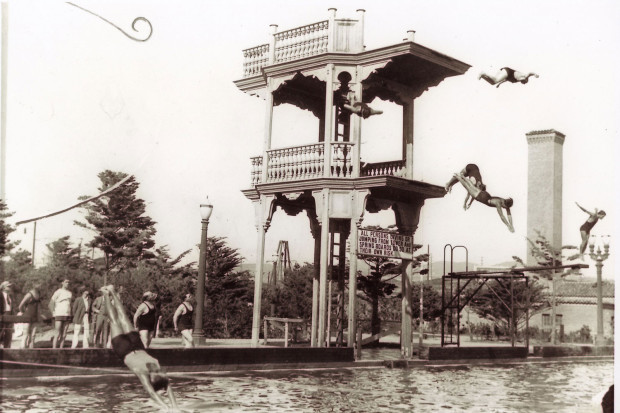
(341, 166)
(308, 162)
(303, 162)
(301, 42)
(254, 59)
(257, 169)
(295, 163)
(392, 168)
(293, 44)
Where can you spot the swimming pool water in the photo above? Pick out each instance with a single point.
(566, 386)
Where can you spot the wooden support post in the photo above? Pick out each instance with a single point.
(324, 266)
(352, 322)
(286, 334)
(359, 343)
(258, 285)
(512, 312)
(405, 330)
(527, 317)
(408, 138)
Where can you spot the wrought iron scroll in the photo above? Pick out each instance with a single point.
(133, 24)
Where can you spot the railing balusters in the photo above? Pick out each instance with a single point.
(307, 162)
(393, 168)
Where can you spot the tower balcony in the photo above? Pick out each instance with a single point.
(327, 36)
(303, 162)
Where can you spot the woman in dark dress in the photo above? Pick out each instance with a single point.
(29, 307)
(145, 318)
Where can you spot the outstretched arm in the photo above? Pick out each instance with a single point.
(507, 222)
(469, 198)
(172, 398)
(144, 379)
(585, 210)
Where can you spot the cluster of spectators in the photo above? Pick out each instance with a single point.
(84, 312)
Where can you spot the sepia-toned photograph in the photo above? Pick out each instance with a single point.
(308, 206)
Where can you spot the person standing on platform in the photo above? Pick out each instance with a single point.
(183, 320)
(29, 307)
(587, 226)
(60, 306)
(82, 311)
(145, 318)
(6, 308)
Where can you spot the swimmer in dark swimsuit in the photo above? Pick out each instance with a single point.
(587, 226)
(470, 171)
(128, 346)
(485, 198)
(507, 74)
(361, 109)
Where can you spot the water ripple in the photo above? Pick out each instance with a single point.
(543, 387)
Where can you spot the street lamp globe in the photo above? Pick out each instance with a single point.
(206, 209)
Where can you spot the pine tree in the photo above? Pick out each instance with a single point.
(123, 233)
(5, 230)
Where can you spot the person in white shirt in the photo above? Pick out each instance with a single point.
(60, 306)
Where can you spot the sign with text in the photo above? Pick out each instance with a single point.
(385, 244)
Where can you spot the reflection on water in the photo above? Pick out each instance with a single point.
(542, 387)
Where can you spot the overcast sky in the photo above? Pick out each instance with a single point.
(82, 98)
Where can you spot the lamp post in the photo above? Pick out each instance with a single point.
(599, 256)
(205, 213)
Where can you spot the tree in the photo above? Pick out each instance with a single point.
(373, 287)
(5, 230)
(547, 255)
(492, 302)
(62, 255)
(123, 233)
(293, 297)
(18, 268)
(431, 302)
(229, 294)
(162, 275)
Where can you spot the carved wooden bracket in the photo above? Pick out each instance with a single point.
(315, 225)
(407, 216)
(263, 211)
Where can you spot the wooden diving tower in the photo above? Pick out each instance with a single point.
(324, 67)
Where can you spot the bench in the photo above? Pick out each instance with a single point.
(277, 322)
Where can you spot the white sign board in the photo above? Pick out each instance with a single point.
(385, 244)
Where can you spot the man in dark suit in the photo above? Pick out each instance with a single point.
(6, 308)
(82, 313)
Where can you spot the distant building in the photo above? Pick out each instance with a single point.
(576, 307)
(544, 187)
